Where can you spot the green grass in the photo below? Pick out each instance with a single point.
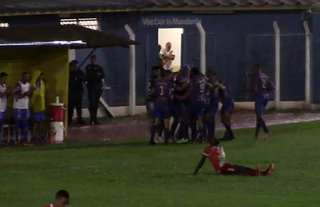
(133, 174)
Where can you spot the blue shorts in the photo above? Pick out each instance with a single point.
(150, 109)
(197, 109)
(212, 110)
(21, 114)
(162, 112)
(2, 117)
(227, 108)
(260, 105)
(38, 116)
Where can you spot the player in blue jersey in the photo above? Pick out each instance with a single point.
(226, 112)
(198, 102)
(182, 105)
(262, 88)
(150, 101)
(212, 107)
(163, 88)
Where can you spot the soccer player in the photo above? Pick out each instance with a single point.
(181, 104)
(212, 107)
(217, 157)
(62, 199)
(198, 101)
(167, 57)
(38, 107)
(262, 88)
(150, 102)
(22, 92)
(4, 91)
(163, 89)
(226, 112)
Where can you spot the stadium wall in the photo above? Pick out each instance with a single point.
(234, 43)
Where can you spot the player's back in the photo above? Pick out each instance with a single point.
(262, 85)
(163, 89)
(198, 88)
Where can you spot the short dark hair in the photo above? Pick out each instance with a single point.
(62, 194)
(155, 68)
(25, 73)
(3, 74)
(195, 71)
(211, 71)
(93, 57)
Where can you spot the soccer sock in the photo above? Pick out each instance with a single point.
(166, 134)
(25, 129)
(181, 130)
(186, 131)
(229, 130)
(17, 128)
(264, 126)
(241, 170)
(153, 133)
(258, 126)
(211, 128)
(174, 127)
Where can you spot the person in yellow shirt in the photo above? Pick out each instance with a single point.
(37, 105)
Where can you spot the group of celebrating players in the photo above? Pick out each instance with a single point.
(191, 99)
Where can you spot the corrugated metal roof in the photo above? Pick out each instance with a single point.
(79, 6)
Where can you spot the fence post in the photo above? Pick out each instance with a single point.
(132, 73)
(277, 64)
(202, 47)
(308, 59)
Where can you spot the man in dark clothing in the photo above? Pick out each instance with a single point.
(95, 79)
(76, 80)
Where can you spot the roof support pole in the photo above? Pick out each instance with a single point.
(277, 64)
(88, 56)
(202, 47)
(307, 64)
(132, 73)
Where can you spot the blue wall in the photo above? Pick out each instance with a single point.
(234, 43)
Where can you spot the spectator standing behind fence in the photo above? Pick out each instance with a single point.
(76, 80)
(95, 79)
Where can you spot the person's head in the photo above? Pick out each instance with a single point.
(195, 71)
(256, 68)
(3, 77)
(155, 71)
(185, 71)
(73, 65)
(168, 46)
(210, 73)
(93, 59)
(159, 47)
(61, 199)
(214, 142)
(25, 77)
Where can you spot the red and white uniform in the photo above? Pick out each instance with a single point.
(216, 156)
(50, 205)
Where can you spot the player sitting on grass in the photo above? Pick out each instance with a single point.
(61, 199)
(218, 161)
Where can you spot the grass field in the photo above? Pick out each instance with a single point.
(135, 175)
